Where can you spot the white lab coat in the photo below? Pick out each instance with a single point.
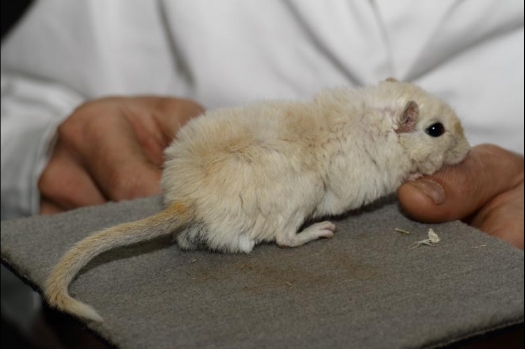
(230, 52)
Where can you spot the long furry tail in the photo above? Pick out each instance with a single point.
(56, 287)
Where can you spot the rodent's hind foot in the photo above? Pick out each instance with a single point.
(324, 229)
(316, 231)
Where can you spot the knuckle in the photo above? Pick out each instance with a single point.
(70, 129)
(45, 182)
(88, 120)
(193, 108)
(181, 106)
(59, 189)
(126, 186)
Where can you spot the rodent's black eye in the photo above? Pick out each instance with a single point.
(435, 130)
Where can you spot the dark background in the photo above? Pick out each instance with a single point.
(11, 12)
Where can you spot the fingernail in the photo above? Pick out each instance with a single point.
(432, 189)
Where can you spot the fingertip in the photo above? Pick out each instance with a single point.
(49, 208)
(419, 204)
(457, 192)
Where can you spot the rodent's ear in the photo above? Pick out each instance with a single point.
(391, 79)
(408, 119)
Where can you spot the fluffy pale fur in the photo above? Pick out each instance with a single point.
(236, 177)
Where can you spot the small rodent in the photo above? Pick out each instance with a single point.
(236, 177)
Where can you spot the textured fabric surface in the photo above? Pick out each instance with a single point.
(366, 287)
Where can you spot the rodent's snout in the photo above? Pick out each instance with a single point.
(458, 153)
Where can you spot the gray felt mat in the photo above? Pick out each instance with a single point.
(365, 288)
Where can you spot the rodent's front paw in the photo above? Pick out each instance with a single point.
(414, 176)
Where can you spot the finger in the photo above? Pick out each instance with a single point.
(176, 113)
(66, 184)
(172, 113)
(503, 216)
(155, 121)
(458, 192)
(117, 163)
(47, 207)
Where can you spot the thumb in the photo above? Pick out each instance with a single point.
(459, 191)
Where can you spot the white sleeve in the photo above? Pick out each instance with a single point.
(31, 112)
(225, 54)
(59, 55)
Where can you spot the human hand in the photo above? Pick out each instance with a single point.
(111, 149)
(485, 191)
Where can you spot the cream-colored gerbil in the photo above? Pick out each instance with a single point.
(237, 177)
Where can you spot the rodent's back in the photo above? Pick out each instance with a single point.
(225, 148)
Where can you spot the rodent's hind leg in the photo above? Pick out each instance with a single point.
(231, 243)
(291, 238)
(191, 238)
(200, 237)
